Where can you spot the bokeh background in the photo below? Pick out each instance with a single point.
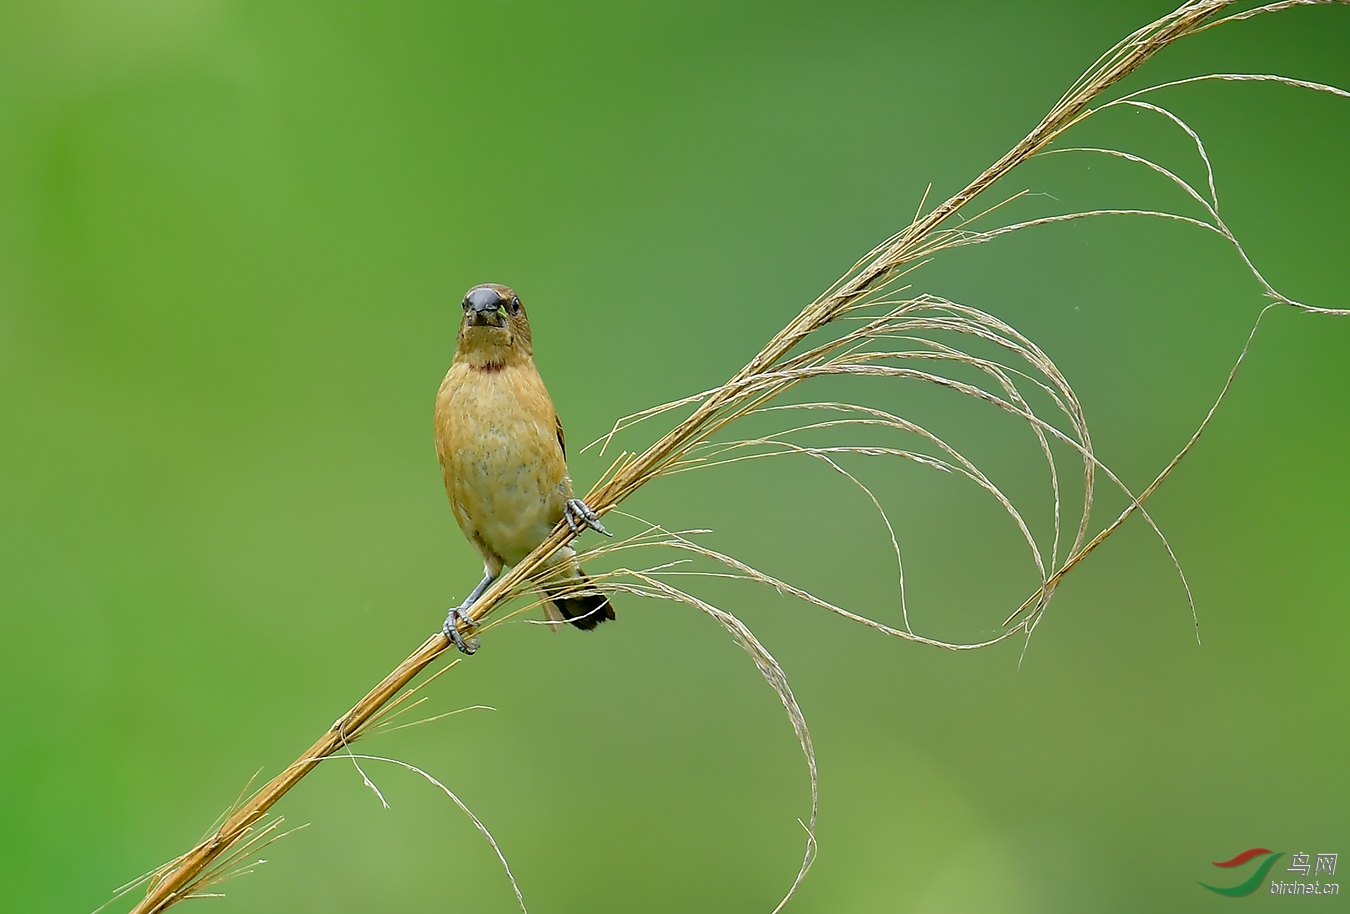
(233, 238)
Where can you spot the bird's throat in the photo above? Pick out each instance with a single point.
(486, 348)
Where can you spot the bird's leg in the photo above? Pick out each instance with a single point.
(579, 516)
(451, 626)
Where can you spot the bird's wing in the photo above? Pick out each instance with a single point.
(562, 442)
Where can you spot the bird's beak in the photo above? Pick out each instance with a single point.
(484, 308)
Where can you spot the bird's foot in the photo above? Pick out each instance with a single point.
(579, 516)
(451, 630)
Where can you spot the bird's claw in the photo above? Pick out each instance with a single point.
(579, 516)
(451, 630)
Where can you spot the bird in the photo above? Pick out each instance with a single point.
(503, 458)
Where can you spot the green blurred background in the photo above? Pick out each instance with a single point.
(233, 238)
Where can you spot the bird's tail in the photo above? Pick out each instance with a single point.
(577, 602)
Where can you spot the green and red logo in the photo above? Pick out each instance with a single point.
(1252, 882)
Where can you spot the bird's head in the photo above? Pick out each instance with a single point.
(494, 329)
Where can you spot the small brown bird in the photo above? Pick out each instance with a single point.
(502, 454)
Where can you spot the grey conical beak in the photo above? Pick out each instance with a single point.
(484, 306)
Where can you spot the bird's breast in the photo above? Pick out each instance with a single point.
(503, 466)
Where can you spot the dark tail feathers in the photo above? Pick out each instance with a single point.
(585, 610)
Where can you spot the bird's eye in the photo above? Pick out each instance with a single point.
(465, 304)
(515, 304)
